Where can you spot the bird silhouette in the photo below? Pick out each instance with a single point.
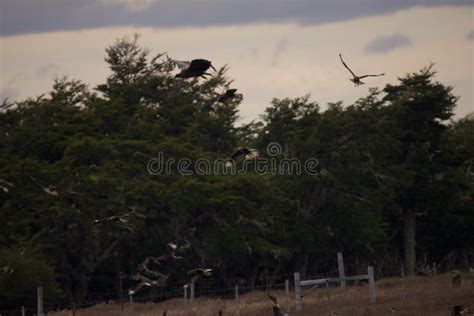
(8, 269)
(5, 186)
(242, 154)
(193, 68)
(227, 96)
(458, 310)
(144, 282)
(276, 307)
(357, 79)
(50, 189)
(195, 274)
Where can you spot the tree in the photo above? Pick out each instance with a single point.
(421, 109)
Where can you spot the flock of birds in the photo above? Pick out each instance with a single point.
(199, 67)
(160, 279)
(148, 277)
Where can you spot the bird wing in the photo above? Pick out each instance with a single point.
(340, 56)
(182, 65)
(364, 76)
(240, 154)
(253, 154)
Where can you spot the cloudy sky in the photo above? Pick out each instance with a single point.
(275, 48)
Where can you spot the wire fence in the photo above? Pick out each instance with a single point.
(230, 294)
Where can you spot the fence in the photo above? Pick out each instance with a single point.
(230, 293)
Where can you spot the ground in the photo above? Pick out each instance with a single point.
(395, 296)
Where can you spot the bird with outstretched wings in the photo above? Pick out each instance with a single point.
(195, 274)
(242, 154)
(194, 68)
(357, 79)
(51, 189)
(8, 269)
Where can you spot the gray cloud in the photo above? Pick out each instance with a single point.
(470, 36)
(386, 44)
(34, 16)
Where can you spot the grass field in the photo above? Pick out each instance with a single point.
(413, 296)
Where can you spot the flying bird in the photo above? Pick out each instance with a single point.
(8, 269)
(144, 282)
(195, 274)
(49, 188)
(242, 154)
(227, 96)
(194, 68)
(116, 218)
(172, 249)
(5, 186)
(356, 79)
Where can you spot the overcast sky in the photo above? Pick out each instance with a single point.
(275, 48)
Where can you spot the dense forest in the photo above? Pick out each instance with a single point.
(395, 181)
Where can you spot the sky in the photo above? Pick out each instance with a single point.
(274, 48)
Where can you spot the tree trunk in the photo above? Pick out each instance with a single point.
(410, 242)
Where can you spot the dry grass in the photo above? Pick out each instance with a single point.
(418, 296)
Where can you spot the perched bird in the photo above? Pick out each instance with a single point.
(242, 154)
(195, 274)
(5, 186)
(194, 68)
(458, 310)
(276, 307)
(8, 269)
(227, 96)
(49, 188)
(356, 79)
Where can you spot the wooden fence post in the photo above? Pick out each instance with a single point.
(39, 292)
(342, 273)
(130, 302)
(191, 293)
(287, 297)
(327, 290)
(185, 300)
(370, 271)
(23, 311)
(299, 306)
(237, 301)
(434, 269)
(456, 278)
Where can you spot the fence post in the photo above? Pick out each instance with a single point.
(287, 297)
(299, 306)
(327, 290)
(191, 293)
(434, 269)
(340, 264)
(39, 292)
(130, 302)
(185, 300)
(23, 311)
(237, 301)
(370, 271)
